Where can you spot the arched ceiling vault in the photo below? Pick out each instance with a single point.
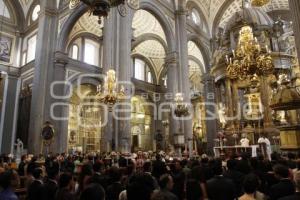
(218, 11)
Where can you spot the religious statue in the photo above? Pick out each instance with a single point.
(19, 148)
(222, 116)
(111, 81)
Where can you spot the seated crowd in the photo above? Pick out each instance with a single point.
(150, 177)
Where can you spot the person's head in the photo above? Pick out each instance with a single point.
(140, 186)
(115, 174)
(297, 180)
(37, 173)
(93, 192)
(98, 166)
(147, 167)
(9, 179)
(281, 171)
(65, 181)
(52, 169)
(178, 165)
(217, 167)
(231, 164)
(250, 184)
(166, 182)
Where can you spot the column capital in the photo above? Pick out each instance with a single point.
(208, 78)
(171, 58)
(61, 58)
(181, 12)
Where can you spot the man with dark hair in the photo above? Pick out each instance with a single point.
(220, 187)
(166, 185)
(35, 189)
(140, 187)
(114, 189)
(9, 181)
(285, 187)
(250, 186)
(158, 167)
(65, 187)
(93, 192)
(99, 176)
(50, 185)
(234, 175)
(296, 196)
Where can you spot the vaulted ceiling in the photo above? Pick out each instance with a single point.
(222, 10)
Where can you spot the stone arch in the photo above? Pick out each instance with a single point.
(219, 16)
(203, 49)
(68, 25)
(16, 10)
(192, 4)
(80, 35)
(149, 36)
(196, 60)
(154, 9)
(28, 21)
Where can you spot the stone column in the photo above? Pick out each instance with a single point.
(9, 114)
(125, 73)
(295, 10)
(183, 70)
(172, 89)
(61, 111)
(211, 121)
(43, 74)
(109, 62)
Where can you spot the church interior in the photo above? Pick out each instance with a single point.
(184, 76)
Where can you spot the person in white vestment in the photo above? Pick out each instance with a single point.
(264, 139)
(245, 142)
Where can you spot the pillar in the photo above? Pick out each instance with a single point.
(43, 74)
(172, 89)
(295, 10)
(9, 114)
(124, 71)
(183, 70)
(211, 122)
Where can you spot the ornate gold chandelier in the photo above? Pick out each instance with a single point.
(259, 3)
(109, 94)
(181, 109)
(249, 58)
(101, 8)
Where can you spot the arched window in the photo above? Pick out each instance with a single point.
(165, 79)
(91, 52)
(75, 52)
(196, 17)
(4, 10)
(31, 48)
(142, 71)
(35, 12)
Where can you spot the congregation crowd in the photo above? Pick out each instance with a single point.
(150, 177)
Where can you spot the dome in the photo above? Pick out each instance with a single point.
(251, 16)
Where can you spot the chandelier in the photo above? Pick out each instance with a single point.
(259, 3)
(249, 58)
(101, 8)
(181, 109)
(109, 93)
